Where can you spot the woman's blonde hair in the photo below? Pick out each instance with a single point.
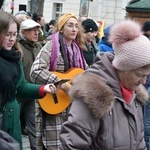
(81, 37)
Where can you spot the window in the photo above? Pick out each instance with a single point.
(57, 10)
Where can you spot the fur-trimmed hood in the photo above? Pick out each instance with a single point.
(97, 92)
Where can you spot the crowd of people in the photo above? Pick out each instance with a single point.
(108, 106)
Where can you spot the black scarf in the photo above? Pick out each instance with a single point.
(9, 73)
(63, 53)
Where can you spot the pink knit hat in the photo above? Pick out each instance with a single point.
(131, 48)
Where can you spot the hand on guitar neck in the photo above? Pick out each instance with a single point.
(63, 84)
(56, 103)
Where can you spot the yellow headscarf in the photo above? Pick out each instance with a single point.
(64, 18)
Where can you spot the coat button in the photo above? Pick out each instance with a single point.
(11, 110)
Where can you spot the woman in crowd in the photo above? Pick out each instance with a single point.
(12, 81)
(106, 111)
(42, 32)
(90, 32)
(60, 54)
(50, 27)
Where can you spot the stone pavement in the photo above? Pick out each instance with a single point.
(25, 142)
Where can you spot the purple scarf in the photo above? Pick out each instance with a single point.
(70, 51)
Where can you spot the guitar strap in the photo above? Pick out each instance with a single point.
(63, 53)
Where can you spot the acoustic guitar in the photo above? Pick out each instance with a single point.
(56, 103)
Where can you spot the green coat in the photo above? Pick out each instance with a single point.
(12, 109)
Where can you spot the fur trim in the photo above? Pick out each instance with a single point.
(142, 94)
(98, 96)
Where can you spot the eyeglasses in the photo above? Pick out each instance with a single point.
(10, 35)
(34, 30)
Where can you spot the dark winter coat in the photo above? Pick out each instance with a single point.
(90, 52)
(99, 118)
(30, 51)
(11, 111)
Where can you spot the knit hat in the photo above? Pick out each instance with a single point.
(131, 48)
(89, 25)
(29, 24)
(64, 18)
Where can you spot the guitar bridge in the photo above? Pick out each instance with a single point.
(55, 98)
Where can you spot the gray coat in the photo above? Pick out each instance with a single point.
(7, 142)
(99, 119)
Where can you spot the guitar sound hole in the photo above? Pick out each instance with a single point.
(55, 98)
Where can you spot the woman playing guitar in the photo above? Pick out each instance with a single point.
(60, 54)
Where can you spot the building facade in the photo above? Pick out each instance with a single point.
(110, 10)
